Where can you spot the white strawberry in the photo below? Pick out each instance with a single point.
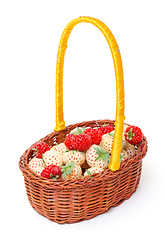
(78, 130)
(71, 171)
(52, 157)
(73, 155)
(93, 170)
(36, 165)
(107, 141)
(130, 149)
(97, 156)
(59, 148)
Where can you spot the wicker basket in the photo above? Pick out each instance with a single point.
(69, 201)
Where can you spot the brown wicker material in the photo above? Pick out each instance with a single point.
(69, 201)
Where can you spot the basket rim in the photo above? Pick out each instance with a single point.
(106, 175)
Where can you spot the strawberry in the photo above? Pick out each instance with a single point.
(133, 135)
(71, 171)
(52, 157)
(107, 128)
(73, 155)
(130, 149)
(107, 141)
(40, 148)
(51, 171)
(95, 135)
(36, 165)
(78, 141)
(97, 156)
(61, 148)
(93, 170)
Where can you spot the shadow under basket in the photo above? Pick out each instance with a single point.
(69, 201)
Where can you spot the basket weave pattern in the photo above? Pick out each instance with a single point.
(72, 201)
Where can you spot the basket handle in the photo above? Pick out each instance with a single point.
(119, 121)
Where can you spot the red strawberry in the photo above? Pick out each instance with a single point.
(40, 148)
(133, 135)
(95, 135)
(78, 141)
(106, 129)
(51, 171)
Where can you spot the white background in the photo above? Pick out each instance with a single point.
(29, 35)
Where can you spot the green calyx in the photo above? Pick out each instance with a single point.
(130, 134)
(79, 131)
(69, 151)
(89, 173)
(102, 154)
(35, 149)
(104, 125)
(111, 134)
(121, 157)
(68, 168)
(43, 159)
(54, 176)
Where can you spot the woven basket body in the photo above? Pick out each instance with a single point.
(76, 200)
(69, 201)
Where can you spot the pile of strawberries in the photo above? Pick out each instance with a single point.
(85, 152)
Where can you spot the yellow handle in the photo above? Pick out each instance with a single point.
(119, 121)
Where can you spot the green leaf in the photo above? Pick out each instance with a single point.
(111, 134)
(68, 168)
(121, 157)
(79, 131)
(43, 159)
(102, 154)
(89, 173)
(35, 149)
(97, 158)
(54, 176)
(104, 125)
(75, 133)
